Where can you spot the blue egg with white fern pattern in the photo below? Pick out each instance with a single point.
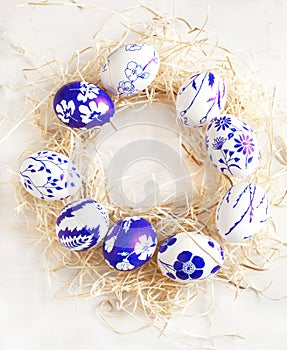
(130, 69)
(189, 256)
(232, 146)
(83, 105)
(50, 175)
(200, 98)
(129, 244)
(82, 224)
(242, 212)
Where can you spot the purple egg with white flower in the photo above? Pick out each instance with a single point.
(232, 146)
(129, 244)
(83, 105)
(189, 256)
(82, 224)
(50, 175)
(200, 98)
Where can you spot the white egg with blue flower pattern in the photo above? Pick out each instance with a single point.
(129, 244)
(232, 146)
(82, 224)
(50, 175)
(200, 98)
(189, 256)
(130, 69)
(242, 212)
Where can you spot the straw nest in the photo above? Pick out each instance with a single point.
(184, 50)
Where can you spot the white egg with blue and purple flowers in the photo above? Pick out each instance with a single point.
(83, 105)
(129, 244)
(232, 146)
(82, 224)
(189, 256)
(200, 98)
(130, 69)
(50, 175)
(242, 212)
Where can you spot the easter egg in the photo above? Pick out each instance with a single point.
(82, 224)
(50, 175)
(232, 146)
(189, 256)
(130, 69)
(242, 212)
(129, 244)
(83, 105)
(200, 98)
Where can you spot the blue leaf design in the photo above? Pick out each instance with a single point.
(231, 153)
(236, 159)
(211, 79)
(250, 159)
(59, 188)
(49, 190)
(221, 161)
(33, 171)
(145, 75)
(225, 151)
(48, 171)
(230, 135)
(194, 85)
(41, 168)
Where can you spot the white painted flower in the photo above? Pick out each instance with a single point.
(109, 244)
(124, 265)
(88, 91)
(93, 111)
(65, 110)
(144, 247)
(128, 221)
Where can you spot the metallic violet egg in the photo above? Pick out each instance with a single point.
(129, 244)
(83, 105)
(82, 224)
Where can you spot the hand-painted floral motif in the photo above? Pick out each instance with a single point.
(129, 244)
(50, 175)
(130, 69)
(235, 149)
(83, 105)
(200, 98)
(82, 224)
(185, 257)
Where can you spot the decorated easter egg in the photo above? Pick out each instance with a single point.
(232, 146)
(200, 98)
(242, 212)
(83, 105)
(129, 244)
(189, 256)
(130, 69)
(82, 224)
(50, 175)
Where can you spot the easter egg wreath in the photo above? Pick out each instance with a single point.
(160, 252)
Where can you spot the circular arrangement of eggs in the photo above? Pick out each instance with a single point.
(128, 244)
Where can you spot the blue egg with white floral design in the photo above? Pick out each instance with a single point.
(129, 244)
(83, 105)
(189, 256)
(50, 175)
(200, 98)
(232, 146)
(82, 224)
(130, 69)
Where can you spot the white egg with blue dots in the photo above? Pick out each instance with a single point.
(189, 256)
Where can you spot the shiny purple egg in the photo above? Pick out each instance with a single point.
(83, 105)
(129, 244)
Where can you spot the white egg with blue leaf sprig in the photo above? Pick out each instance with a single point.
(50, 175)
(242, 212)
(200, 98)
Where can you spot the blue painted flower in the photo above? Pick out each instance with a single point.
(218, 143)
(133, 71)
(188, 266)
(126, 88)
(244, 144)
(167, 243)
(222, 123)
